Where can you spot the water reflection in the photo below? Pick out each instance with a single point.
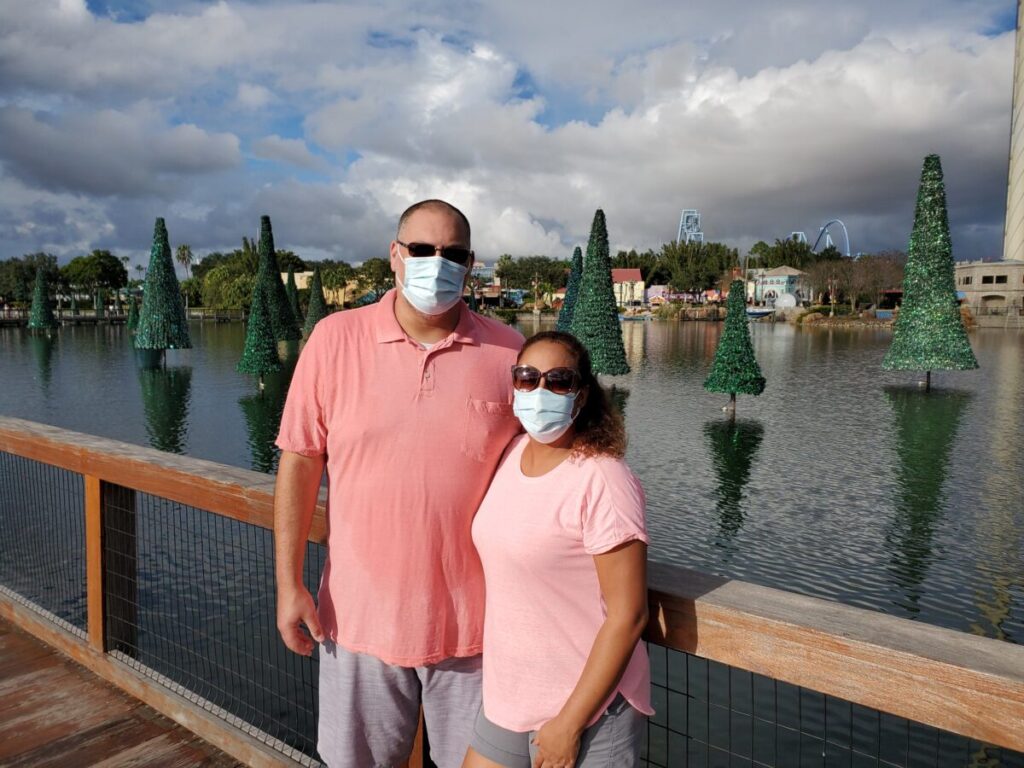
(166, 393)
(1001, 519)
(924, 427)
(733, 447)
(262, 412)
(42, 350)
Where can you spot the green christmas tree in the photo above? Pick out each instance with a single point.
(133, 315)
(268, 279)
(735, 370)
(572, 292)
(260, 354)
(293, 294)
(41, 317)
(595, 320)
(162, 322)
(929, 334)
(97, 303)
(317, 309)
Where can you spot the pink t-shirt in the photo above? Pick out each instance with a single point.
(537, 537)
(412, 438)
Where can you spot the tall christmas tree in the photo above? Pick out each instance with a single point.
(260, 353)
(317, 309)
(292, 290)
(97, 303)
(162, 322)
(735, 370)
(595, 320)
(268, 279)
(133, 315)
(41, 317)
(929, 334)
(572, 292)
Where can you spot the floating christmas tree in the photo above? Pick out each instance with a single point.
(269, 282)
(292, 290)
(735, 370)
(260, 354)
(133, 315)
(162, 322)
(929, 334)
(317, 309)
(41, 317)
(572, 292)
(97, 303)
(595, 320)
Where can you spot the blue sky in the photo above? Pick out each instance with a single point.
(333, 117)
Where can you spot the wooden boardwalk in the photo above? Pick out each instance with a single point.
(55, 713)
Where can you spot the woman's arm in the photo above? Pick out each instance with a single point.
(622, 573)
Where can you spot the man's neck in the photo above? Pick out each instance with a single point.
(428, 329)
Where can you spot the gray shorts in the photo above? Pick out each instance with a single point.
(614, 739)
(369, 710)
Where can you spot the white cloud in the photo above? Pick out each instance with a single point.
(108, 152)
(252, 96)
(767, 117)
(293, 151)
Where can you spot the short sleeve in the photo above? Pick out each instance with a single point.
(303, 422)
(616, 509)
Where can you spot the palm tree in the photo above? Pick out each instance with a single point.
(183, 255)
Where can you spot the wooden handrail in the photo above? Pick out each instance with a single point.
(954, 681)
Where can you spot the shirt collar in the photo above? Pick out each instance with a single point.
(388, 330)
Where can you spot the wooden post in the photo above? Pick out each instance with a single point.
(94, 561)
(120, 569)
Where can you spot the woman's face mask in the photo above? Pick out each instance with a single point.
(544, 415)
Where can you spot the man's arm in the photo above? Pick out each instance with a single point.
(295, 495)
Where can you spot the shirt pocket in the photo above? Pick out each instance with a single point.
(488, 428)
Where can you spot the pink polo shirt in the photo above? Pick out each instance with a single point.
(537, 537)
(412, 438)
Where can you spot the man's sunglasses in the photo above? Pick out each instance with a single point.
(561, 381)
(455, 253)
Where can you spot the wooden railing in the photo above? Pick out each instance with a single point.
(953, 681)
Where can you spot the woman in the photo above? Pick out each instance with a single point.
(562, 538)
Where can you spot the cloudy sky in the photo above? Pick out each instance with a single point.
(333, 117)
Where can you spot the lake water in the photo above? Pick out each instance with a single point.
(841, 480)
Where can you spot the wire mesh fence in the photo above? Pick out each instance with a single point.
(190, 600)
(42, 557)
(709, 715)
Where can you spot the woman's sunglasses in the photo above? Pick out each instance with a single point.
(561, 381)
(455, 253)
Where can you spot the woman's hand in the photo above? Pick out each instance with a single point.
(558, 744)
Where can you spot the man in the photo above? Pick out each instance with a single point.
(407, 403)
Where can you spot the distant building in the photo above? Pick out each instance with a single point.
(628, 287)
(991, 287)
(765, 286)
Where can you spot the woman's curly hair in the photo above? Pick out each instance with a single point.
(599, 427)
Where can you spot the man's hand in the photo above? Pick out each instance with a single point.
(558, 745)
(295, 606)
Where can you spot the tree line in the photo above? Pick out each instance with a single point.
(224, 280)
